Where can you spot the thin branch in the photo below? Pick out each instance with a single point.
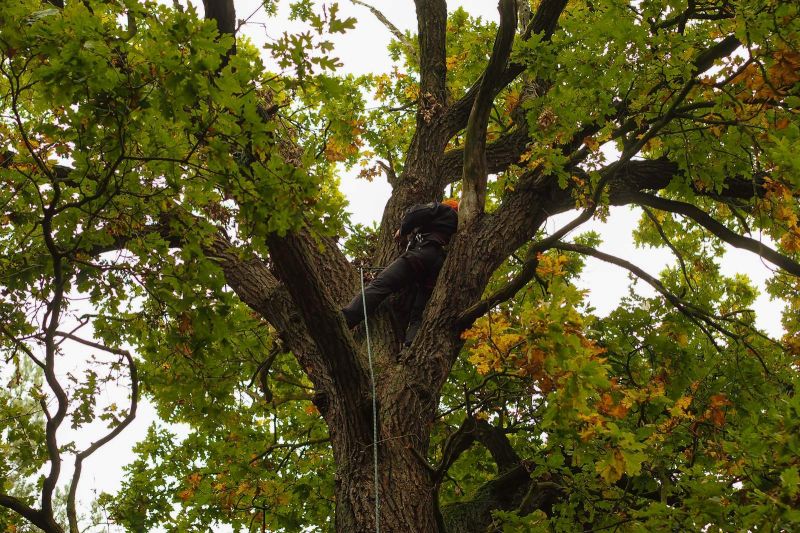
(544, 23)
(394, 30)
(671, 246)
(690, 310)
(715, 227)
(650, 280)
(290, 445)
(81, 456)
(22, 346)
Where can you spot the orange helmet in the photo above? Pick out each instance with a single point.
(451, 203)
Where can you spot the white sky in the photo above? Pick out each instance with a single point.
(364, 50)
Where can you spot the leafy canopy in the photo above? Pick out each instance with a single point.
(126, 124)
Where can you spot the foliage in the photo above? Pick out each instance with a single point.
(140, 154)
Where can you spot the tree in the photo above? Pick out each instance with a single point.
(152, 164)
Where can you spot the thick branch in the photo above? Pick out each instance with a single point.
(492, 438)
(432, 27)
(475, 174)
(544, 23)
(223, 13)
(502, 493)
(506, 292)
(722, 232)
(501, 153)
(50, 322)
(705, 60)
(34, 516)
(624, 184)
(296, 268)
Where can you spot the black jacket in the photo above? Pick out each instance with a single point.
(434, 221)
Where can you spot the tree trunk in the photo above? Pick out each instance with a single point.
(406, 491)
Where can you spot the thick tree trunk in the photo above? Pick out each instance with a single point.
(406, 491)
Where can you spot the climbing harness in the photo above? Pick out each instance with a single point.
(374, 405)
(415, 240)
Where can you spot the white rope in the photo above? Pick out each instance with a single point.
(374, 407)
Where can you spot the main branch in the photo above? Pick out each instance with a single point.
(475, 174)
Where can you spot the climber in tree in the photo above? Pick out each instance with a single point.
(427, 228)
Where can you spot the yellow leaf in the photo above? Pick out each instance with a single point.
(682, 339)
(680, 406)
(591, 143)
(612, 468)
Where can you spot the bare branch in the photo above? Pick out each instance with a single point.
(394, 30)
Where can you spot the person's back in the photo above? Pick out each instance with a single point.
(436, 221)
(431, 225)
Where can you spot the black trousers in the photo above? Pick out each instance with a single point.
(418, 267)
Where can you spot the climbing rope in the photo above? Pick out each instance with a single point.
(374, 406)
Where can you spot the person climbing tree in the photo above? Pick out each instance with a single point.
(427, 228)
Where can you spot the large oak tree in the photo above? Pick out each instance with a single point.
(153, 165)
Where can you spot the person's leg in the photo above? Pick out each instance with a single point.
(433, 258)
(391, 279)
(421, 296)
